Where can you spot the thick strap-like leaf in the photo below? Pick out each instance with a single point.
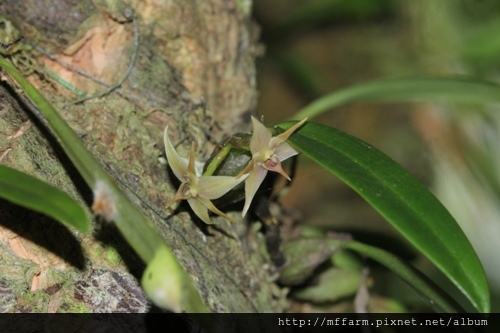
(32, 193)
(408, 205)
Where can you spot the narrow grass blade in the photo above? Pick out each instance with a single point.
(423, 285)
(459, 90)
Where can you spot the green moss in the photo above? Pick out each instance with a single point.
(75, 307)
(61, 276)
(17, 272)
(97, 252)
(113, 257)
(35, 301)
(109, 254)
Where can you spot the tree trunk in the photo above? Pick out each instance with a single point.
(195, 72)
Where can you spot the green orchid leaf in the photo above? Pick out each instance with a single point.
(459, 90)
(401, 199)
(32, 193)
(435, 297)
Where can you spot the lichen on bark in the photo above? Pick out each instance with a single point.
(194, 72)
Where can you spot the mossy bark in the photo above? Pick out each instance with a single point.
(195, 72)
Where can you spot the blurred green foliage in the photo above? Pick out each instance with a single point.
(321, 46)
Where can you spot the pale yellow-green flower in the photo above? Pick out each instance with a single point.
(267, 154)
(198, 190)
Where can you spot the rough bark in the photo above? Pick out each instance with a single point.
(195, 72)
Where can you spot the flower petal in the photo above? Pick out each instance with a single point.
(214, 187)
(285, 151)
(214, 209)
(199, 209)
(178, 166)
(260, 137)
(279, 139)
(255, 178)
(198, 166)
(247, 169)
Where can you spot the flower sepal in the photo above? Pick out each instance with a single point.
(196, 189)
(267, 154)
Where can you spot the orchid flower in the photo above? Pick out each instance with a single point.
(196, 189)
(267, 154)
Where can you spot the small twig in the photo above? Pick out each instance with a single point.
(67, 65)
(5, 153)
(77, 70)
(20, 131)
(5, 46)
(129, 69)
